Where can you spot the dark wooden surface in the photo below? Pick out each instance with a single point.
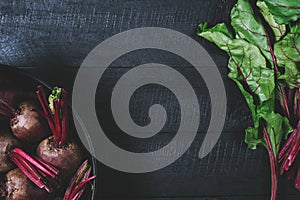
(50, 39)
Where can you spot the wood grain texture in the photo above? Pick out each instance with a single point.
(60, 33)
(50, 39)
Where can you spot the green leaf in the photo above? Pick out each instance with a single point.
(218, 34)
(202, 27)
(279, 30)
(289, 47)
(249, 71)
(248, 27)
(277, 127)
(246, 64)
(252, 138)
(284, 11)
(54, 95)
(287, 52)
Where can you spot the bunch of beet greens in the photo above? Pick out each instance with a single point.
(263, 44)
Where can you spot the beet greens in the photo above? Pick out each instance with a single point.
(264, 49)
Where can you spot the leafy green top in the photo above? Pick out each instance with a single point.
(55, 94)
(255, 60)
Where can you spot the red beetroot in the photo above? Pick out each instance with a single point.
(26, 122)
(19, 187)
(63, 154)
(65, 157)
(7, 143)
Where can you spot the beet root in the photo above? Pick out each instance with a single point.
(19, 187)
(7, 143)
(66, 158)
(28, 125)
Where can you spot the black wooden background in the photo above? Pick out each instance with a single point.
(50, 38)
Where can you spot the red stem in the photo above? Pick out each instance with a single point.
(45, 113)
(272, 52)
(44, 101)
(284, 102)
(298, 104)
(37, 170)
(34, 162)
(53, 182)
(57, 133)
(29, 171)
(4, 103)
(297, 180)
(20, 161)
(80, 186)
(273, 165)
(6, 110)
(49, 120)
(42, 173)
(76, 179)
(86, 176)
(65, 118)
(284, 150)
(48, 113)
(47, 165)
(40, 98)
(292, 152)
(58, 121)
(291, 93)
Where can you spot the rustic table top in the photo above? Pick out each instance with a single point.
(49, 39)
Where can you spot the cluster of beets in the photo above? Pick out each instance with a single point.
(37, 158)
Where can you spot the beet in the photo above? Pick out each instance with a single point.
(19, 187)
(67, 158)
(7, 143)
(28, 125)
(26, 122)
(58, 150)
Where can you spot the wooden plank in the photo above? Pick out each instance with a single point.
(55, 33)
